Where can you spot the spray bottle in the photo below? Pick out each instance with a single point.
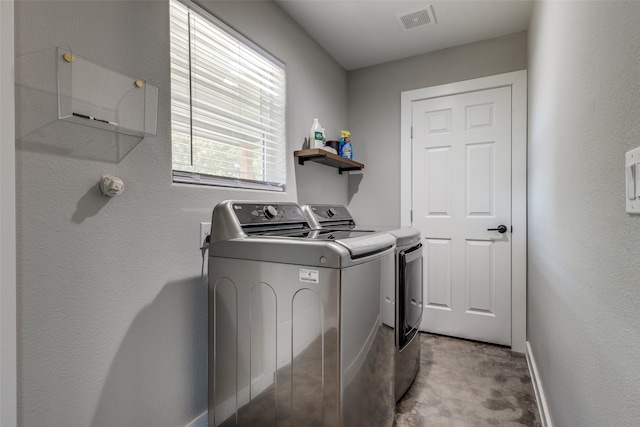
(346, 149)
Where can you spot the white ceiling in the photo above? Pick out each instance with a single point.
(359, 33)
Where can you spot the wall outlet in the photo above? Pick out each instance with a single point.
(205, 230)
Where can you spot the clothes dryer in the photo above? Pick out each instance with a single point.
(402, 300)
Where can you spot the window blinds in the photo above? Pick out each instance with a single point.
(227, 105)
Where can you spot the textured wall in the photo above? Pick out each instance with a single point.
(111, 306)
(584, 291)
(374, 113)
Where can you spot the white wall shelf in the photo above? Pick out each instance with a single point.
(93, 95)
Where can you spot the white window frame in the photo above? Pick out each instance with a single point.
(246, 144)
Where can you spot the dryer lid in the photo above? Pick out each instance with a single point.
(367, 244)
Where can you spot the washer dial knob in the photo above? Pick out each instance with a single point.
(331, 212)
(270, 212)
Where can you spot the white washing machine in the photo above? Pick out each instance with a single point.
(402, 299)
(295, 322)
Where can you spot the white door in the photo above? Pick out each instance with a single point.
(461, 188)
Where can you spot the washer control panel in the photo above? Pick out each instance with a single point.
(268, 213)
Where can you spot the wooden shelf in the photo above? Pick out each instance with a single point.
(324, 157)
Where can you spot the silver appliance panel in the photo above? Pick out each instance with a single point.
(303, 252)
(401, 299)
(280, 233)
(405, 236)
(299, 346)
(325, 216)
(338, 217)
(295, 328)
(409, 294)
(233, 219)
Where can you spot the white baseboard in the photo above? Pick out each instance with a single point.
(537, 387)
(201, 421)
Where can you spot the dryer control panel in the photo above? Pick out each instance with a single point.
(332, 215)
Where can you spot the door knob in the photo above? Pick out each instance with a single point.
(500, 229)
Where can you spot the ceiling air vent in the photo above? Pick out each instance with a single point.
(417, 19)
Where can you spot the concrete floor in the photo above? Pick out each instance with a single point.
(466, 383)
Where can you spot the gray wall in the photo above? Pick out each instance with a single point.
(584, 291)
(111, 306)
(374, 114)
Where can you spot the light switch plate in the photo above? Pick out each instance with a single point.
(631, 181)
(631, 174)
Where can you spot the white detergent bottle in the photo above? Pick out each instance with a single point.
(316, 137)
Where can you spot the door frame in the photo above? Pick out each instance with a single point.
(518, 82)
(8, 391)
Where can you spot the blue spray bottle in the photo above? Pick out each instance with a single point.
(346, 149)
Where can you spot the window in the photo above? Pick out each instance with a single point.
(227, 105)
